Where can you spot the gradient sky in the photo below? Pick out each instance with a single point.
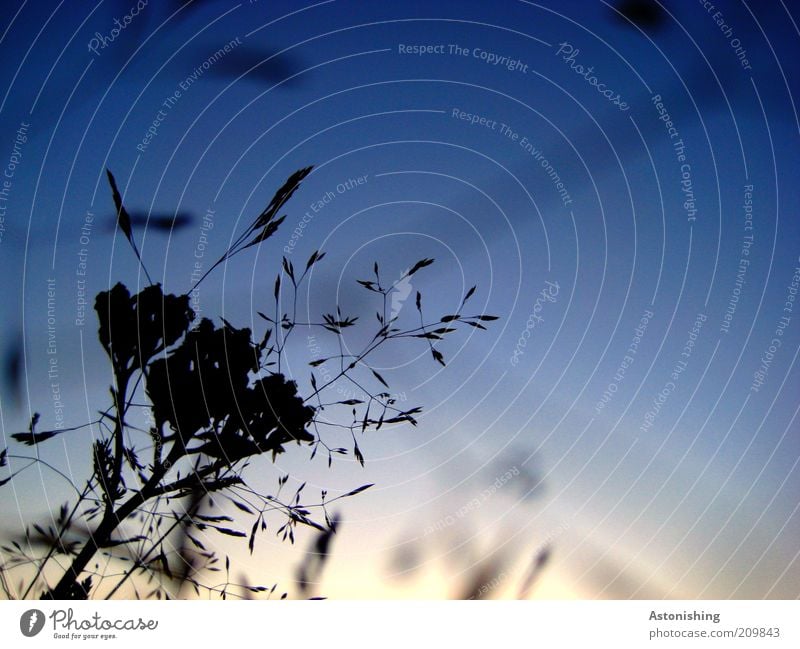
(701, 504)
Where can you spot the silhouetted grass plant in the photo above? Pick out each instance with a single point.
(216, 400)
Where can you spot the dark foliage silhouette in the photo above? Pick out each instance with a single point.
(157, 222)
(646, 14)
(260, 65)
(214, 399)
(12, 368)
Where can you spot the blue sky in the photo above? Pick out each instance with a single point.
(700, 503)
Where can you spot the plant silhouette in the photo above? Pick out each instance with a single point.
(215, 400)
